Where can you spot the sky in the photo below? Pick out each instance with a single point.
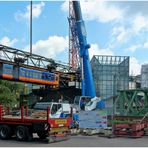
(118, 28)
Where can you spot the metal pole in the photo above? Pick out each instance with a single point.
(0, 112)
(48, 113)
(22, 113)
(27, 113)
(114, 83)
(69, 38)
(30, 27)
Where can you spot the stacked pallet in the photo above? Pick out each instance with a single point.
(129, 130)
(39, 114)
(146, 129)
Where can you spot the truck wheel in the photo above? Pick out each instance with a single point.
(42, 135)
(22, 133)
(5, 132)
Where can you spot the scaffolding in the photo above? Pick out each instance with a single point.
(73, 40)
(110, 73)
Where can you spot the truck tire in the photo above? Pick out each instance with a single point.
(5, 132)
(42, 135)
(22, 133)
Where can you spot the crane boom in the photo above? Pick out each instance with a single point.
(88, 88)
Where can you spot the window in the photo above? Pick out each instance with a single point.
(43, 76)
(54, 108)
(59, 106)
(52, 77)
(39, 75)
(7, 70)
(35, 75)
(27, 73)
(23, 73)
(31, 74)
(49, 77)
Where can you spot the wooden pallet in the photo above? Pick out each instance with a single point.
(130, 130)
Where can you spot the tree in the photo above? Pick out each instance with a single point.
(9, 92)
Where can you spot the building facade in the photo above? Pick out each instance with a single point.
(144, 76)
(110, 73)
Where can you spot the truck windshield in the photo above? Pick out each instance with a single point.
(42, 106)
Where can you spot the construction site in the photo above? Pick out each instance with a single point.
(85, 100)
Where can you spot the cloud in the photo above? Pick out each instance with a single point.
(51, 47)
(95, 50)
(36, 12)
(146, 44)
(121, 35)
(6, 41)
(139, 23)
(134, 6)
(132, 26)
(135, 67)
(133, 48)
(101, 11)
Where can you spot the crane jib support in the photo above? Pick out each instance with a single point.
(88, 88)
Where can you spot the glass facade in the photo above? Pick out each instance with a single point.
(144, 76)
(110, 73)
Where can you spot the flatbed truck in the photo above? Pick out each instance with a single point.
(25, 125)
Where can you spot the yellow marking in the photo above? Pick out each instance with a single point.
(60, 121)
(63, 129)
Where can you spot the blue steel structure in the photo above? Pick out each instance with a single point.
(88, 88)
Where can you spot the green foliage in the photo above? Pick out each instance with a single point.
(9, 92)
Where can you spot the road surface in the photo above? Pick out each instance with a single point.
(81, 141)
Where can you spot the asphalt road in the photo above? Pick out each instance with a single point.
(81, 141)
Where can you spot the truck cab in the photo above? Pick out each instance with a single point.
(57, 110)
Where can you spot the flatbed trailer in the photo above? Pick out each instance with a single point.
(24, 126)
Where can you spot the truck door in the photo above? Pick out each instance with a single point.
(56, 110)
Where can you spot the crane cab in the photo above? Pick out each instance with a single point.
(85, 103)
(80, 102)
